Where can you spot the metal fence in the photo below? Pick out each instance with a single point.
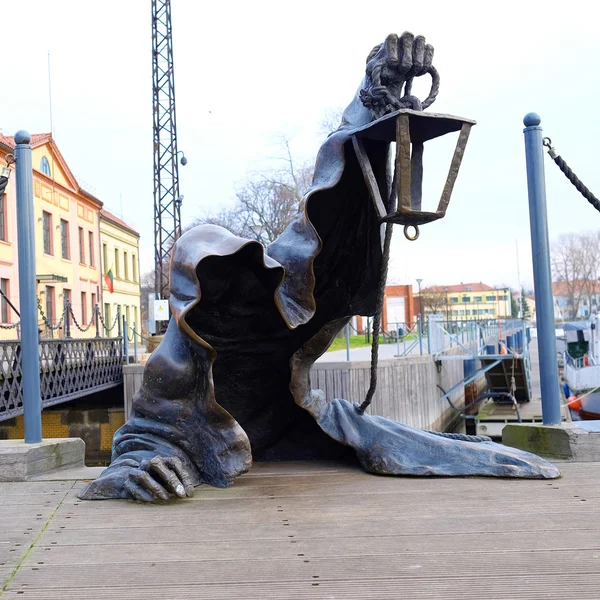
(69, 369)
(435, 334)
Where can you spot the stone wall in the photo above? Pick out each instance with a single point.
(95, 427)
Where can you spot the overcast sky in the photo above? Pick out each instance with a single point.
(247, 70)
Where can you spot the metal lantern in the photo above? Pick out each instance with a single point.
(410, 129)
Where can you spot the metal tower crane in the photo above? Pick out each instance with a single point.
(167, 200)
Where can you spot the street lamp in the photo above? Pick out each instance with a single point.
(420, 298)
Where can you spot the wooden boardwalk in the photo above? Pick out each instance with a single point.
(302, 530)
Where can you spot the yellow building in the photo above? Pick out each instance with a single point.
(67, 241)
(120, 255)
(465, 301)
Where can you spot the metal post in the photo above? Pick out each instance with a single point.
(67, 319)
(134, 345)
(32, 396)
(420, 326)
(542, 277)
(347, 341)
(125, 340)
(97, 309)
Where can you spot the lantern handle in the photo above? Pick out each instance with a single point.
(411, 238)
(433, 92)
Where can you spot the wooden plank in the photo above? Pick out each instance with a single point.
(286, 526)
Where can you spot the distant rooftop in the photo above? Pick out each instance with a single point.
(105, 214)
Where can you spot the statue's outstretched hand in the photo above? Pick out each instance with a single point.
(390, 66)
(157, 478)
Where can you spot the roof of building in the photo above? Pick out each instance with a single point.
(37, 139)
(107, 215)
(561, 288)
(467, 287)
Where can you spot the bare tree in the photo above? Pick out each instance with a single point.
(435, 299)
(268, 201)
(575, 266)
(331, 120)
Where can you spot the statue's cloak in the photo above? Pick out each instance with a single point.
(230, 381)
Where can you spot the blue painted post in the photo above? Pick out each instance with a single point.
(347, 341)
(125, 340)
(542, 278)
(420, 325)
(490, 349)
(32, 396)
(134, 345)
(510, 343)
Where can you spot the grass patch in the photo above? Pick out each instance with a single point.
(359, 341)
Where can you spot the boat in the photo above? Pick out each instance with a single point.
(581, 374)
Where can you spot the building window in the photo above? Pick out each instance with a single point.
(81, 247)
(455, 313)
(466, 299)
(134, 267)
(3, 217)
(47, 225)
(468, 289)
(490, 298)
(125, 266)
(117, 269)
(107, 320)
(83, 309)
(64, 239)
(5, 289)
(504, 298)
(477, 299)
(462, 313)
(45, 167)
(454, 299)
(50, 313)
(91, 249)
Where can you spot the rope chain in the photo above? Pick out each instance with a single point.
(76, 323)
(568, 172)
(47, 323)
(106, 328)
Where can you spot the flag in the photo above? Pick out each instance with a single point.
(108, 280)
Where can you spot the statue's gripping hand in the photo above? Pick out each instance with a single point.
(390, 66)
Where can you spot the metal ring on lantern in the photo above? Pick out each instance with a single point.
(413, 237)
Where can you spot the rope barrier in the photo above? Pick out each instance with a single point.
(568, 172)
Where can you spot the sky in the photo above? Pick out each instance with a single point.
(247, 71)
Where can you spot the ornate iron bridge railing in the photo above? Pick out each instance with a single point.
(69, 369)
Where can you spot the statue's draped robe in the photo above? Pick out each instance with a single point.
(230, 380)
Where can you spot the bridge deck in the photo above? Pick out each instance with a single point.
(298, 530)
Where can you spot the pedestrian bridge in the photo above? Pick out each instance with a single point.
(69, 369)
